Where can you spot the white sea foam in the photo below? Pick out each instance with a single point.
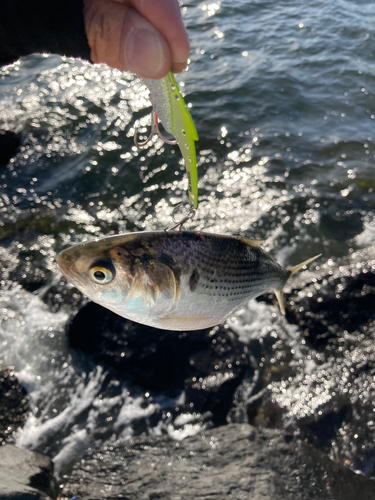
(30, 335)
(367, 236)
(71, 405)
(37, 430)
(132, 410)
(74, 447)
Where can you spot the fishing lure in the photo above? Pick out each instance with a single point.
(169, 106)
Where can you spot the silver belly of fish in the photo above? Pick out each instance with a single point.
(172, 280)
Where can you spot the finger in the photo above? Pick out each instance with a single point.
(123, 39)
(144, 50)
(165, 15)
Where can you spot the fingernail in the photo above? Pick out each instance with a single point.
(178, 67)
(144, 53)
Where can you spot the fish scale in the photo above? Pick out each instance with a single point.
(218, 259)
(174, 280)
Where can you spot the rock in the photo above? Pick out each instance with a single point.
(321, 386)
(13, 404)
(236, 462)
(339, 297)
(31, 271)
(207, 365)
(25, 475)
(336, 296)
(27, 262)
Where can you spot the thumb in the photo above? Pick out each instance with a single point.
(144, 50)
(121, 38)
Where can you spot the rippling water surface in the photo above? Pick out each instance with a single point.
(282, 95)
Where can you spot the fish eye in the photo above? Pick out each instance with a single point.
(102, 273)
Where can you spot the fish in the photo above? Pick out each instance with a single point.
(169, 105)
(175, 280)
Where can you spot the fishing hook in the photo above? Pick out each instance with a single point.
(154, 130)
(180, 223)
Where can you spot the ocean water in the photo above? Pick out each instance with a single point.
(283, 98)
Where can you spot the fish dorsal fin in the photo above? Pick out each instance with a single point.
(251, 243)
(295, 269)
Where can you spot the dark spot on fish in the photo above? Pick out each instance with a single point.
(119, 252)
(193, 281)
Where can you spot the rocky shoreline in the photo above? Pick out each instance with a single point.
(275, 455)
(236, 461)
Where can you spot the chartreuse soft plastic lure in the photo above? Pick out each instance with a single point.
(169, 106)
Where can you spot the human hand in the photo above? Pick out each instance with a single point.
(146, 37)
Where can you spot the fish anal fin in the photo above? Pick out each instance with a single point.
(173, 317)
(251, 243)
(175, 322)
(295, 269)
(280, 299)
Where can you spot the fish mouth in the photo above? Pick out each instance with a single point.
(64, 272)
(64, 268)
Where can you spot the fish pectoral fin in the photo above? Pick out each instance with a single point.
(295, 269)
(251, 243)
(280, 299)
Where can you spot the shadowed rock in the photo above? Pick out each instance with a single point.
(338, 296)
(208, 365)
(13, 405)
(329, 398)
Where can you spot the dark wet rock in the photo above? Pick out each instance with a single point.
(207, 365)
(58, 295)
(13, 405)
(338, 297)
(327, 395)
(9, 144)
(26, 262)
(25, 475)
(30, 272)
(23, 264)
(236, 462)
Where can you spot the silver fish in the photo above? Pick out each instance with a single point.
(174, 280)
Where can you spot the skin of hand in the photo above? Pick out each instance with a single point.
(146, 37)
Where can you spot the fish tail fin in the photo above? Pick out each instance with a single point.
(292, 270)
(295, 269)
